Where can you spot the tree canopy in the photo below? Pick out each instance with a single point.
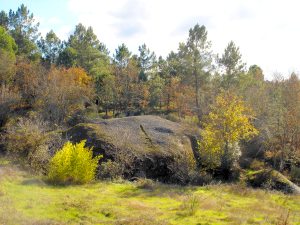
(226, 125)
(64, 82)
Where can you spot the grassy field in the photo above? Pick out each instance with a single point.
(26, 199)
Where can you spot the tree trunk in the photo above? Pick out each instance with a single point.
(197, 88)
(225, 163)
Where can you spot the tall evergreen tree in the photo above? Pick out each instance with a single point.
(8, 48)
(146, 60)
(83, 49)
(233, 65)
(4, 19)
(24, 30)
(50, 47)
(196, 60)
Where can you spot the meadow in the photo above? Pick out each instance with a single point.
(28, 199)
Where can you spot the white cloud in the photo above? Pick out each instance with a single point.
(267, 32)
(63, 32)
(46, 24)
(54, 21)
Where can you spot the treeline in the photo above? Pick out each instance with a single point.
(184, 82)
(59, 81)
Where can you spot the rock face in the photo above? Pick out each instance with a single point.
(148, 146)
(272, 179)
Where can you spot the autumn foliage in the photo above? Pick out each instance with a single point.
(65, 92)
(63, 83)
(226, 125)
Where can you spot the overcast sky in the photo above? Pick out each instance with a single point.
(267, 32)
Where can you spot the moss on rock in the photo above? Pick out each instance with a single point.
(271, 179)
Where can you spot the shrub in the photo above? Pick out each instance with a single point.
(144, 183)
(173, 117)
(28, 140)
(111, 169)
(122, 164)
(295, 174)
(190, 205)
(257, 165)
(9, 97)
(74, 163)
(182, 168)
(29, 80)
(200, 178)
(64, 94)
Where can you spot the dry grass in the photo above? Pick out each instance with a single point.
(28, 200)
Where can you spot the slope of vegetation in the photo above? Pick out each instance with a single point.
(27, 199)
(48, 86)
(227, 121)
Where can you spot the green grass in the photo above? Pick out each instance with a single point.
(26, 199)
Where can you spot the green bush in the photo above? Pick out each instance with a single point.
(74, 163)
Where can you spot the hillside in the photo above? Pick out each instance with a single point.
(159, 149)
(99, 127)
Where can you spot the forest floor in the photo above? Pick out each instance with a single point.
(28, 199)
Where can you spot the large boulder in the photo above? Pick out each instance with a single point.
(148, 146)
(272, 179)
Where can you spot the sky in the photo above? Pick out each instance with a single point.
(267, 32)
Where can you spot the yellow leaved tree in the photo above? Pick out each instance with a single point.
(226, 125)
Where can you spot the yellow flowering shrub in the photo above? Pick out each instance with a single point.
(74, 163)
